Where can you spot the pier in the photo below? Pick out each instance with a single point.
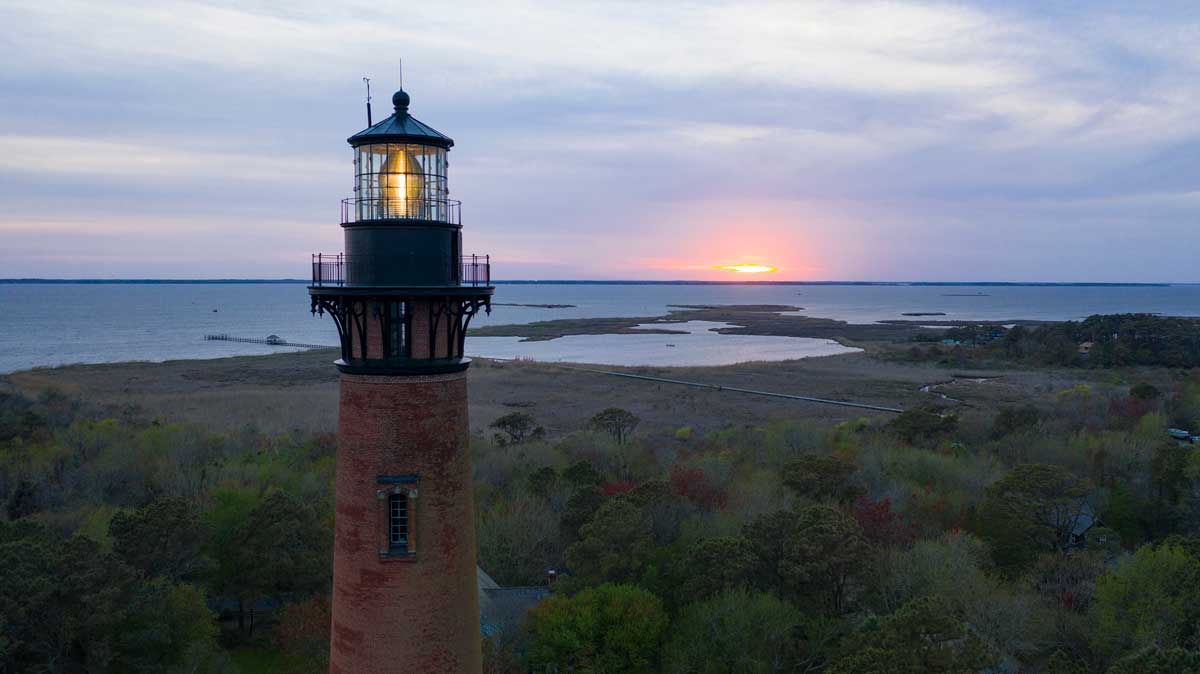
(269, 341)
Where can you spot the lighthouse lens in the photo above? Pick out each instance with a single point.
(397, 180)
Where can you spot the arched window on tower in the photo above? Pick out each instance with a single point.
(398, 522)
(397, 516)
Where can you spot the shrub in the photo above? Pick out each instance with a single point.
(735, 631)
(611, 628)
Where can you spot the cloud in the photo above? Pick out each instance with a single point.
(907, 126)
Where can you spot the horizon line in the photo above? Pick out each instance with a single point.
(248, 281)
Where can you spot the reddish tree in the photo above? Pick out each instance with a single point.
(1129, 408)
(614, 487)
(694, 485)
(879, 524)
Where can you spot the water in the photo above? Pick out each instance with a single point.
(54, 324)
(700, 346)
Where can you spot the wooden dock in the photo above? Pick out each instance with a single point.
(269, 341)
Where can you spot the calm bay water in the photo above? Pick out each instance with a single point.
(55, 324)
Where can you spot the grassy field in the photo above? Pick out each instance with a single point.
(283, 392)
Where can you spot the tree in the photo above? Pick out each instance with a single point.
(923, 637)
(24, 500)
(735, 632)
(518, 540)
(695, 486)
(766, 535)
(542, 481)
(617, 422)
(515, 428)
(924, 422)
(68, 606)
(612, 547)
(582, 474)
(1155, 660)
(1013, 419)
(816, 551)
(611, 629)
(880, 524)
(164, 538)
(1150, 600)
(169, 629)
(1145, 391)
(714, 565)
(279, 546)
(824, 556)
(1035, 508)
(819, 477)
(581, 506)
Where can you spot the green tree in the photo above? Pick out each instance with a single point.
(610, 629)
(25, 500)
(582, 474)
(1150, 600)
(518, 540)
(69, 607)
(617, 422)
(164, 538)
(1156, 660)
(1035, 508)
(923, 637)
(924, 422)
(169, 628)
(767, 535)
(612, 547)
(1145, 391)
(714, 565)
(735, 632)
(1013, 419)
(542, 481)
(817, 551)
(820, 477)
(580, 509)
(825, 556)
(516, 427)
(279, 546)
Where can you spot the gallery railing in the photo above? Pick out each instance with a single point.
(363, 209)
(339, 269)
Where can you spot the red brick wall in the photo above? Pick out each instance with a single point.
(397, 615)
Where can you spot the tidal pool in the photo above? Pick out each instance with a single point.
(701, 345)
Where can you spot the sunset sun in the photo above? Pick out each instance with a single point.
(747, 268)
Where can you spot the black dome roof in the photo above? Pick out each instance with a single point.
(401, 127)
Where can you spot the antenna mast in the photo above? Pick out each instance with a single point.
(368, 81)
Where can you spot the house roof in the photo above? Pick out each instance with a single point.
(503, 609)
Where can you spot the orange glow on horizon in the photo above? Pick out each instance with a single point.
(747, 268)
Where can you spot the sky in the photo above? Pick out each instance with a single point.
(875, 141)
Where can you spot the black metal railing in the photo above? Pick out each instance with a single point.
(475, 270)
(339, 269)
(360, 209)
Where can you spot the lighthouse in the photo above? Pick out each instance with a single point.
(402, 295)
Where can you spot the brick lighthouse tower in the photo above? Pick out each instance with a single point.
(405, 598)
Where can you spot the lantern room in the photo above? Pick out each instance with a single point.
(402, 293)
(400, 171)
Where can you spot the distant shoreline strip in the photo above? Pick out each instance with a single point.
(941, 284)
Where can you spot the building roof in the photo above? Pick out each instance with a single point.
(502, 609)
(401, 127)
